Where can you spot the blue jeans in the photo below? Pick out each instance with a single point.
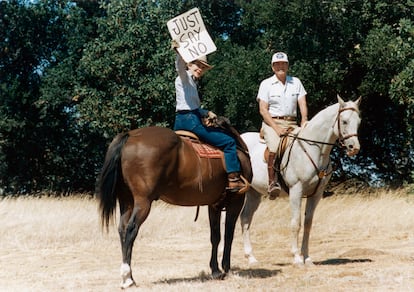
(191, 121)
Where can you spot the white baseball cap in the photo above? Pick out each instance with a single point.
(279, 57)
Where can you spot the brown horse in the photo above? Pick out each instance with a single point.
(154, 163)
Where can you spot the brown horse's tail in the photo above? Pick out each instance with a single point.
(108, 178)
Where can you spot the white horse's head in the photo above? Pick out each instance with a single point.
(348, 124)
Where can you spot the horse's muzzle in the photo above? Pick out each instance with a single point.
(352, 151)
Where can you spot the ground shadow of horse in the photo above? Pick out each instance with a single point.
(259, 273)
(338, 261)
(244, 273)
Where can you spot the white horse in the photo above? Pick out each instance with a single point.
(305, 168)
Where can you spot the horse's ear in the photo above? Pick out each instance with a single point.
(358, 101)
(340, 100)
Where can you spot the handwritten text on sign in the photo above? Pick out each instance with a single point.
(189, 31)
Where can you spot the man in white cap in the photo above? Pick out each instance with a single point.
(278, 98)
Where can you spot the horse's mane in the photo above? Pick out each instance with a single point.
(224, 123)
(335, 107)
(327, 109)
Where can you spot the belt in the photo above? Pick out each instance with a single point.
(285, 118)
(186, 111)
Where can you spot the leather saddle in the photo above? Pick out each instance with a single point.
(284, 142)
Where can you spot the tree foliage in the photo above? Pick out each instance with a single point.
(28, 38)
(75, 73)
(125, 83)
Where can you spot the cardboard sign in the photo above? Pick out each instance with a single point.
(189, 31)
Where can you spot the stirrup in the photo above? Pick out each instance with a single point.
(240, 189)
(273, 190)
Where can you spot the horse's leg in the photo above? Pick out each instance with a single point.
(214, 215)
(233, 209)
(126, 273)
(311, 204)
(131, 219)
(222, 227)
(251, 204)
(295, 200)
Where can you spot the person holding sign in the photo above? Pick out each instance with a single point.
(189, 116)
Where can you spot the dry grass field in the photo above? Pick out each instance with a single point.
(359, 242)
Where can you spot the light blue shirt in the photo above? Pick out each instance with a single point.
(186, 92)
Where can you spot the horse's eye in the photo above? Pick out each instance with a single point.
(345, 122)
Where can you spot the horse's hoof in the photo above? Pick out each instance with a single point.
(127, 283)
(127, 280)
(298, 262)
(253, 261)
(309, 262)
(218, 275)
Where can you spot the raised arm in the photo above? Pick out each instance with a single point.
(181, 67)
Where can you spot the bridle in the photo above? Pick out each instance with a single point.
(341, 138)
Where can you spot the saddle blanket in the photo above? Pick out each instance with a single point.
(205, 150)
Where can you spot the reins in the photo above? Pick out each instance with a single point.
(309, 140)
(341, 138)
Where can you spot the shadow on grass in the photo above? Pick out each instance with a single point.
(257, 273)
(337, 262)
(204, 277)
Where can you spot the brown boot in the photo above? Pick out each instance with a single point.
(236, 183)
(274, 187)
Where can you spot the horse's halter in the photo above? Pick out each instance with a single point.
(342, 138)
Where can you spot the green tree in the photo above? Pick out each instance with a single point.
(73, 152)
(28, 36)
(388, 54)
(126, 79)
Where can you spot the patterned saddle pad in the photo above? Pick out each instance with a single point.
(202, 149)
(205, 150)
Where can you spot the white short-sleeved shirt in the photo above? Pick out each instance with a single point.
(186, 92)
(282, 98)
